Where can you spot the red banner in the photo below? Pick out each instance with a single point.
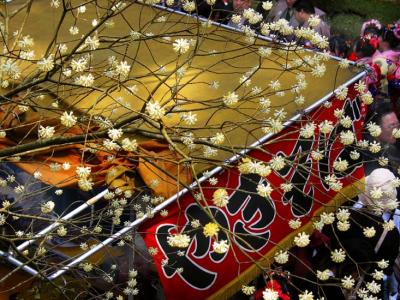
(260, 226)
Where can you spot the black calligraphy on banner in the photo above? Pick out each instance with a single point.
(248, 215)
(252, 214)
(300, 171)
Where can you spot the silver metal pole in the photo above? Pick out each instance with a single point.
(18, 263)
(68, 216)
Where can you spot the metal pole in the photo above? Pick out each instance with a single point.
(68, 216)
(18, 263)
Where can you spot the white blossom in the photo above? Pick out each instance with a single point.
(189, 118)
(62, 231)
(294, 223)
(230, 99)
(369, 232)
(373, 287)
(324, 275)
(374, 147)
(354, 155)
(348, 282)
(275, 85)
(85, 184)
(346, 121)
(68, 119)
(264, 51)
(374, 129)
(318, 70)
(383, 264)
(367, 98)
(79, 65)
(92, 42)
(281, 257)
(189, 6)
(236, 19)
(327, 218)
(314, 20)
(389, 225)
(46, 132)
(340, 165)
(267, 5)
(360, 86)
(129, 145)
(306, 295)
(342, 214)
(269, 294)
(338, 255)
(341, 93)
(347, 137)
(115, 133)
(277, 163)
(181, 46)
(46, 64)
(83, 172)
(221, 246)
(378, 275)
(178, 240)
(19, 189)
(317, 155)
(248, 290)
(326, 126)
(220, 197)
(217, 139)
(302, 239)
(344, 64)
(264, 190)
(55, 3)
(85, 80)
(73, 30)
(47, 207)
(87, 267)
(307, 131)
(155, 110)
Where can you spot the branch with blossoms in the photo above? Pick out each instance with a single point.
(142, 103)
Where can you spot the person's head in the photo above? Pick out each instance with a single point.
(364, 47)
(386, 118)
(371, 28)
(338, 46)
(303, 10)
(240, 5)
(381, 179)
(290, 3)
(388, 39)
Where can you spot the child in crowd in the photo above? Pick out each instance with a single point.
(363, 50)
(387, 57)
(339, 46)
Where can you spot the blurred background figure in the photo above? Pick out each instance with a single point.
(237, 7)
(384, 116)
(339, 46)
(304, 9)
(284, 9)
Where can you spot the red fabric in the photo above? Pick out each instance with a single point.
(374, 42)
(199, 261)
(273, 285)
(353, 56)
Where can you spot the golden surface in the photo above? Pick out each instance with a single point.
(219, 55)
